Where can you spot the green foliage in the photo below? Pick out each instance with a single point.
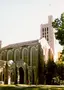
(58, 24)
(50, 71)
(56, 80)
(62, 55)
(41, 65)
(60, 70)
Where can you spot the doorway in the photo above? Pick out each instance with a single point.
(21, 73)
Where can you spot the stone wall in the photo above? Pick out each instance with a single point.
(27, 55)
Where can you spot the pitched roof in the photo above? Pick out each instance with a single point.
(20, 44)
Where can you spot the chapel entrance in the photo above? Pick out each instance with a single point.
(21, 73)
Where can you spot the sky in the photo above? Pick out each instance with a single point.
(20, 20)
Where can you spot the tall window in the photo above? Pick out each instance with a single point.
(33, 56)
(47, 28)
(17, 55)
(25, 55)
(10, 55)
(3, 55)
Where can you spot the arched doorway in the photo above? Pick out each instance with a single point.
(21, 73)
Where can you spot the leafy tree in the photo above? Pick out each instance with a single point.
(58, 24)
(50, 71)
(60, 70)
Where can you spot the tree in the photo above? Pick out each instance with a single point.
(51, 70)
(60, 70)
(58, 24)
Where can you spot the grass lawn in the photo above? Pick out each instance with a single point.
(32, 87)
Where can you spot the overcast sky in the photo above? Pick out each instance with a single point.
(20, 19)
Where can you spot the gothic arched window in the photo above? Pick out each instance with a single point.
(17, 54)
(25, 55)
(3, 55)
(10, 55)
(33, 56)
